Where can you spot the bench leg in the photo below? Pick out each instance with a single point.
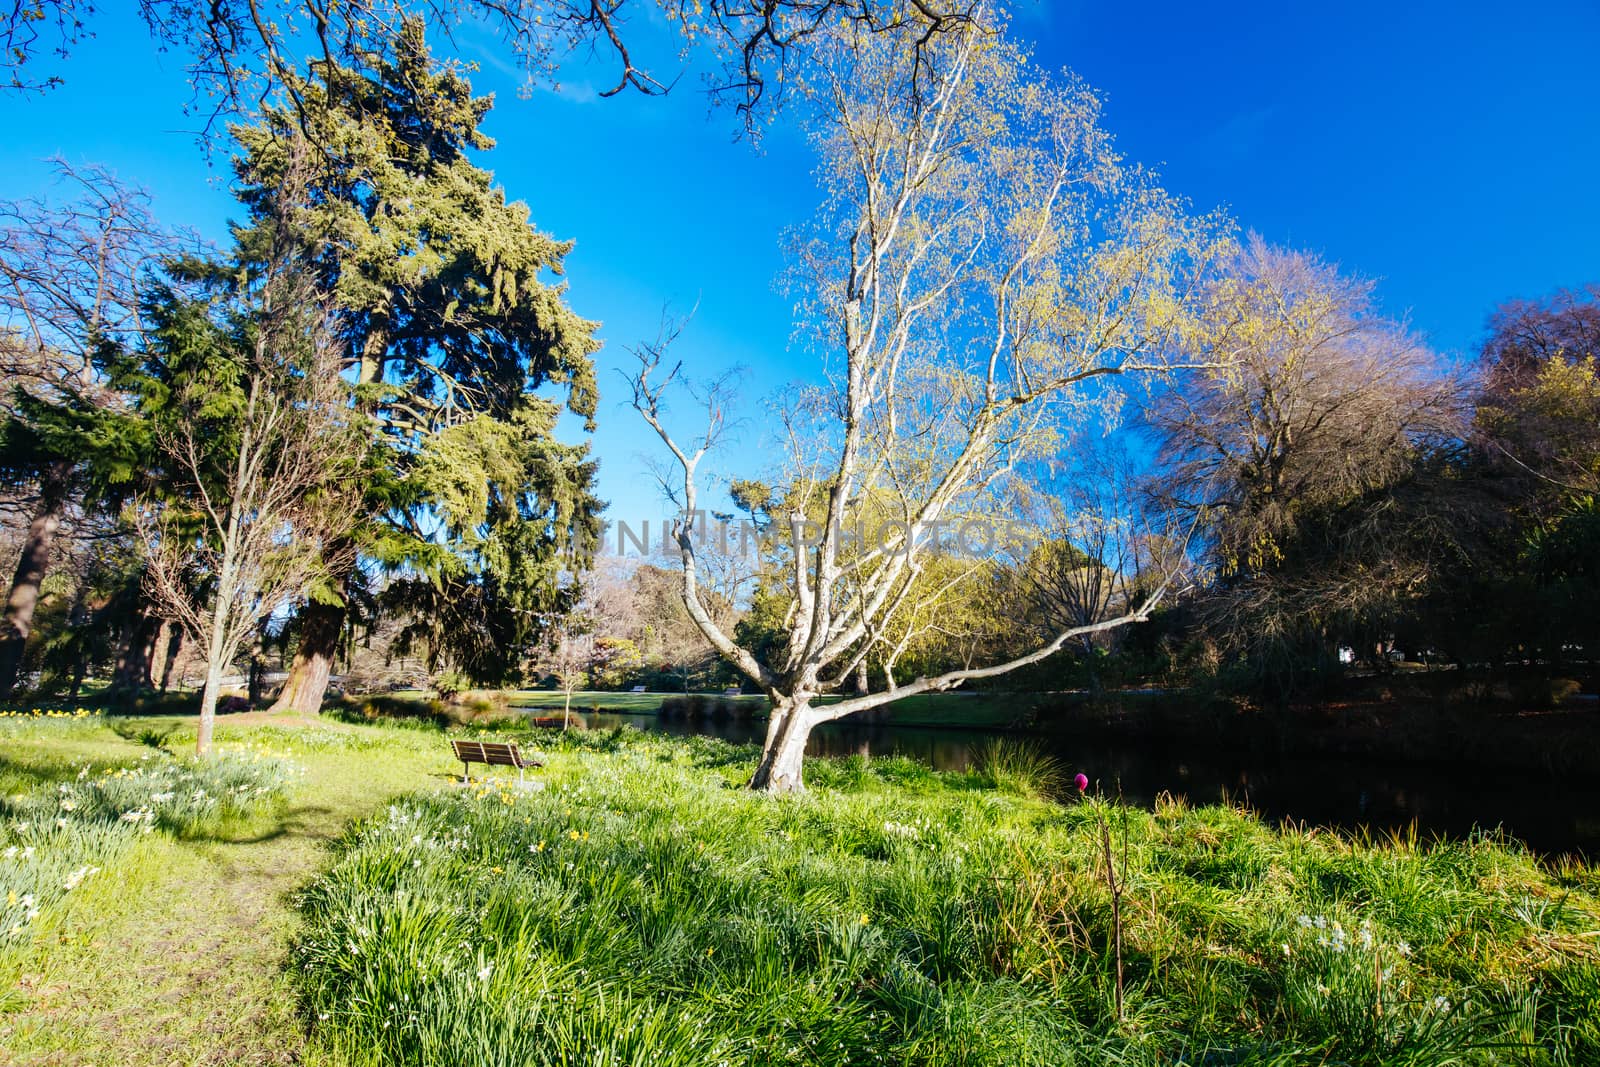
(464, 779)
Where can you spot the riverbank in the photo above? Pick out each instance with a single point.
(1407, 723)
(642, 907)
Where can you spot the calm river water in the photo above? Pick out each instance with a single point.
(1552, 816)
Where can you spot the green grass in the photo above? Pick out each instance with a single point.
(645, 909)
(642, 908)
(172, 952)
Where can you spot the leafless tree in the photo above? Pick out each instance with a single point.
(567, 652)
(239, 51)
(1299, 445)
(71, 267)
(985, 267)
(239, 531)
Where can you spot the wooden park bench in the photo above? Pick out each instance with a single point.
(492, 753)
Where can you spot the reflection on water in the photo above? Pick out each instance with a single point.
(1551, 815)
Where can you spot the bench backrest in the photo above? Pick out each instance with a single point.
(497, 753)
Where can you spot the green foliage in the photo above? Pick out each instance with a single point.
(899, 915)
(450, 323)
(182, 796)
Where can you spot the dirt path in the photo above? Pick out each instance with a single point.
(177, 958)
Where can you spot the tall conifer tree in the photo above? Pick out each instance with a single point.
(449, 323)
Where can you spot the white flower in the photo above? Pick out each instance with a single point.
(77, 877)
(1441, 1004)
(485, 972)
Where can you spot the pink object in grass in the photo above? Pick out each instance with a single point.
(1081, 781)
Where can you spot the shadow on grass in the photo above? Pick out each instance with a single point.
(17, 776)
(261, 828)
(145, 735)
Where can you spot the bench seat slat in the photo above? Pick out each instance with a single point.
(492, 753)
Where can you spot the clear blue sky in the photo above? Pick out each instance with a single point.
(1450, 150)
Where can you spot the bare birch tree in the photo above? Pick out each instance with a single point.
(983, 270)
(261, 471)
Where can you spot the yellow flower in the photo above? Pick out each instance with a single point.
(572, 834)
(864, 918)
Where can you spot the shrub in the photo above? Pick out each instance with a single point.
(181, 795)
(450, 683)
(483, 703)
(401, 711)
(1532, 692)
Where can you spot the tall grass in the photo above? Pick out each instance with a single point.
(642, 909)
(1019, 767)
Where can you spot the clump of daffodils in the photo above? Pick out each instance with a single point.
(53, 842)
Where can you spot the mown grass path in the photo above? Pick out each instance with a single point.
(176, 956)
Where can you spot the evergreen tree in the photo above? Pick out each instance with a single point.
(447, 324)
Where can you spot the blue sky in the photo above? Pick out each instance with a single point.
(1450, 150)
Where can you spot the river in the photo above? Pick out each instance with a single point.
(1552, 816)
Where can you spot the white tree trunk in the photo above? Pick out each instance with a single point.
(781, 757)
(218, 651)
(208, 702)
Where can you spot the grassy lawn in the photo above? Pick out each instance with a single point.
(173, 952)
(640, 907)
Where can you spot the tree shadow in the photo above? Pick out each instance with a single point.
(28, 775)
(295, 820)
(149, 736)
